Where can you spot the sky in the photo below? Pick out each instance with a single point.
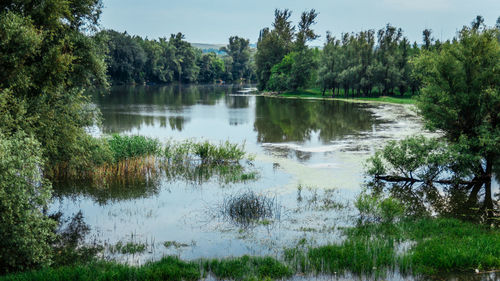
(214, 21)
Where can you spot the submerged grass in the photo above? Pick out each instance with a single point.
(317, 93)
(130, 158)
(433, 246)
(247, 208)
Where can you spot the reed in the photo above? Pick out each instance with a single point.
(204, 151)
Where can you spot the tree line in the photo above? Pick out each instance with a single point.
(133, 59)
(365, 63)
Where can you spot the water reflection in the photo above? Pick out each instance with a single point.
(145, 186)
(283, 120)
(426, 199)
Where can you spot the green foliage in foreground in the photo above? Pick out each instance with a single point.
(430, 246)
(25, 232)
(168, 268)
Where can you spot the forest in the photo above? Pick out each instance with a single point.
(134, 60)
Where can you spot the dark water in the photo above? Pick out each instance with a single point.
(317, 145)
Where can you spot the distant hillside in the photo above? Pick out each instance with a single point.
(206, 48)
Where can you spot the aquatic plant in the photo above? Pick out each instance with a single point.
(129, 247)
(207, 152)
(373, 208)
(175, 244)
(249, 207)
(127, 147)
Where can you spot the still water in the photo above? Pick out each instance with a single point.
(309, 157)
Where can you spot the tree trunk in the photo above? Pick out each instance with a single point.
(488, 201)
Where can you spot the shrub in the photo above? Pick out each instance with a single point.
(25, 232)
(373, 208)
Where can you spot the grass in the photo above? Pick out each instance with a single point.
(317, 93)
(127, 147)
(127, 248)
(168, 268)
(248, 208)
(434, 247)
(138, 159)
(207, 152)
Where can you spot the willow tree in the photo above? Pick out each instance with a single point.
(461, 98)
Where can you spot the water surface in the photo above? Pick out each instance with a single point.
(315, 144)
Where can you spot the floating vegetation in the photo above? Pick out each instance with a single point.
(318, 199)
(127, 248)
(177, 245)
(200, 173)
(248, 208)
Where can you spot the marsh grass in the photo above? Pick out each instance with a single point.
(126, 159)
(127, 248)
(247, 268)
(248, 208)
(204, 151)
(438, 247)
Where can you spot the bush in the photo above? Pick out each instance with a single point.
(25, 232)
(376, 209)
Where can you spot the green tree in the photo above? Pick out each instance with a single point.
(273, 45)
(211, 68)
(461, 97)
(25, 232)
(46, 62)
(184, 64)
(127, 58)
(239, 50)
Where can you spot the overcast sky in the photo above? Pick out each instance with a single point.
(213, 21)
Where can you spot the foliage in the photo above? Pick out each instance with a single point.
(277, 67)
(46, 62)
(239, 51)
(207, 152)
(419, 158)
(25, 232)
(461, 93)
(367, 61)
(125, 147)
(133, 59)
(373, 208)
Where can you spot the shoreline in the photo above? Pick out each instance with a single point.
(381, 99)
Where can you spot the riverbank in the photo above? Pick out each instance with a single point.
(422, 247)
(318, 95)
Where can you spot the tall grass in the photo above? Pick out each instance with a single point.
(127, 158)
(127, 147)
(207, 152)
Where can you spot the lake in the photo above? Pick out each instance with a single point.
(309, 157)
